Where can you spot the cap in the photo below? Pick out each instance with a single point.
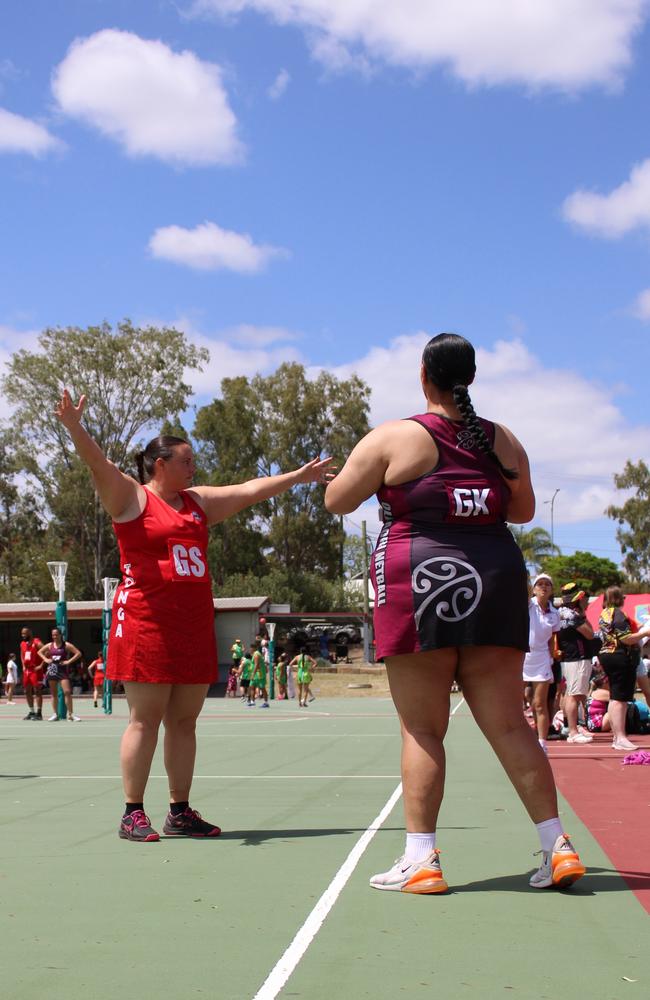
(542, 576)
(571, 593)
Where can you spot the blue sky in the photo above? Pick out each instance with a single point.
(333, 182)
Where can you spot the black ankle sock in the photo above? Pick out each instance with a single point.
(176, 808)
(131, 807)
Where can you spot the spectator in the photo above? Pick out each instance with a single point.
(236, 651)
(11, 679)
(598, 705)
(538, 662)
(231, 684)
(619, 657)
(642, 671)
(573, 638)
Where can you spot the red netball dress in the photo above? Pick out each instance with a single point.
(162, 630)
(446, 569)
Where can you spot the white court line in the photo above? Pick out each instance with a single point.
(284, 968)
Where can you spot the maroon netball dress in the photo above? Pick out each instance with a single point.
(446, 569)
(162, 629)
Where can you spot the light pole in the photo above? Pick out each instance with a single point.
(58, 571)
(552, 503)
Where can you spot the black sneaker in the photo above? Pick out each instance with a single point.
(37, 717)
(29, 716)
(136, 826)
(189, 824)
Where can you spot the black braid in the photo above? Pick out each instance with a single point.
(462, 400)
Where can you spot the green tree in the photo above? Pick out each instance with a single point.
(134, 378)
(590, 572)
(353, 555)
(303, 591)
(275, 423)
(535, 544)
(633, 516)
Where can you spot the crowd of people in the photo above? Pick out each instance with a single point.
(578, 681)
(249, 674)
(43, 667)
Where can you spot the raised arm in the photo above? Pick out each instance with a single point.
(121, 497)
(220, 502)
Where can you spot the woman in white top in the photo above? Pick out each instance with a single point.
(538, 663)
(11, 679)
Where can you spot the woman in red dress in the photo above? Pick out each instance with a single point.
(163, 606)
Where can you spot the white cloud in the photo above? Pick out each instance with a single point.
(572, 429)
(11, 341)
(22, 135)
(612, 215)
(559, 43)
(279, 85)
(258, 336)
(208, 247)
(641, 306)
(153, 101)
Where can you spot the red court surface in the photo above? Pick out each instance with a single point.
(612, 800)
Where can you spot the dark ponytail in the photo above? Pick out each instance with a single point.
(160, 447)
(450, 364)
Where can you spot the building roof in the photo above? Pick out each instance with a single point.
(93, 609)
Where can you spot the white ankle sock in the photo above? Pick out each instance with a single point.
(548, 832)
(419, 846)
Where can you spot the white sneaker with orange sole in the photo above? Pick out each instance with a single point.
(422, 877)
(560, 868)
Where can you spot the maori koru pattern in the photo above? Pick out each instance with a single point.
(456, 582)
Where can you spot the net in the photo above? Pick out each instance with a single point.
(110, 586)
(270, 628)
(57, 572)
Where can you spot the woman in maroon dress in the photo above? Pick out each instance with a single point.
(163, 607)
(451, 602)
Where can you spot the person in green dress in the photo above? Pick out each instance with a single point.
(258, 676)
(245, 671)
(304, 664)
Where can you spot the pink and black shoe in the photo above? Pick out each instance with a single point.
(136, 826)
(189, 824)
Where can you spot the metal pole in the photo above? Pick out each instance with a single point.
(270, 628)
(62, 624)
(552, 520)
(107, 617)
(366, 597)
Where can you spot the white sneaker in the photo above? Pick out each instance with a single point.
(53, 718)
(74, 718)
(560, 868)
(623, 744)
(412, 876)
(579, 738)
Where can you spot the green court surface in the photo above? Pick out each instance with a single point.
(86, 915)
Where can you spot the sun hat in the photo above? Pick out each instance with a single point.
(571, 593)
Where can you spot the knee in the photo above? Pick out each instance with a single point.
(185, 725)
(145, 726)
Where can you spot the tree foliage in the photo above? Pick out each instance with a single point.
(134, 378)
(535, 545)
(590, 572)
(270, 424)
(633, 516)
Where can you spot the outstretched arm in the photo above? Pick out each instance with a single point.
(220, 502)
(119, 494)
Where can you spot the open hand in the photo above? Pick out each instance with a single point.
(67, 412)
(319, 470)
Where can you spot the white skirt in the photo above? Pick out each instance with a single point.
(538, 666)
